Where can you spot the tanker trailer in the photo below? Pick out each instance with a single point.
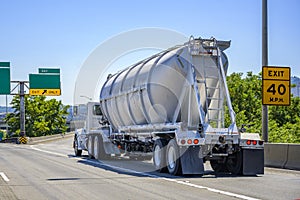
(172, 105)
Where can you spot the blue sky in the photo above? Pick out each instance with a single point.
(62, 33)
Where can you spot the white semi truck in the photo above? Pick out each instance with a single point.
(172, 105)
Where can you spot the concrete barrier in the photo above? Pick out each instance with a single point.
(293, 158)
(276, 155)
(49, 138)
(282, 155)
(35, 140)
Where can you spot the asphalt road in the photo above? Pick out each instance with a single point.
(50, 171)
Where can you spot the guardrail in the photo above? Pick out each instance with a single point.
(285, 156)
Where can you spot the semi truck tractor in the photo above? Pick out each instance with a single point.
(172, 105)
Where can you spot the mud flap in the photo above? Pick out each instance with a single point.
(191, 163)
(109, 147)
(253, 161)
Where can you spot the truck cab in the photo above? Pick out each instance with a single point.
(86, 118)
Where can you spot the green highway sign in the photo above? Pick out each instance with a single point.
(5, 64)
(4, 78)
(49, 70)
(44, 81)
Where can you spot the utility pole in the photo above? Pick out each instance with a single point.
(265, 63)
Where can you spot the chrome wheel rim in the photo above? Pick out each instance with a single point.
(96, 147)
(171, 157)
(157, 156)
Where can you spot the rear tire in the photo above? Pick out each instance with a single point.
(91, 147)
(218, 167)
(159, 155)
(99, 151)
(234, 163)
(173, 158)
(76, 150)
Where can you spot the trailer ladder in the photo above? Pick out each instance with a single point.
(213, 89)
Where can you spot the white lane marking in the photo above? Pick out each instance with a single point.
(231, 194)
(4, 176)
(49, 152)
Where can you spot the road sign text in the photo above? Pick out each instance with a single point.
(276, 86)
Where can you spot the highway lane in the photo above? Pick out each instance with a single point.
(50, 171)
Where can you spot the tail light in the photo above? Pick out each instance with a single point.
(254, 142)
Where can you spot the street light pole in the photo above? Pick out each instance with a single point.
(265, 63)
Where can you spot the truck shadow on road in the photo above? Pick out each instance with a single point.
(144, 169)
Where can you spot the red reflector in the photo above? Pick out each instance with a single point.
(261, 142)
(182, 141)
(196, 141)
(248, 142)
(254, 142)
(119, 146)
(189, 141)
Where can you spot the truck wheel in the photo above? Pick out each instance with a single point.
(99, 151)
(173, 158)
(90, 147)
(76, 151)
(234, 163)
(217, 166)
(159, 155)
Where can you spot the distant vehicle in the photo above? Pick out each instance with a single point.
(172, 106)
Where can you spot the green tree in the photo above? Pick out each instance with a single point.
(246, 97)
(285, 122)
(245, 92)
(43, 117)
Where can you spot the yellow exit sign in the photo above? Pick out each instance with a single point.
(276, 86)
(45, 92)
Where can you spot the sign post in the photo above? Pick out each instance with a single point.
(22, 110)
(264, 116)
(276, 86)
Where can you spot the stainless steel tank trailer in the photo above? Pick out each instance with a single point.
(172, 105)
